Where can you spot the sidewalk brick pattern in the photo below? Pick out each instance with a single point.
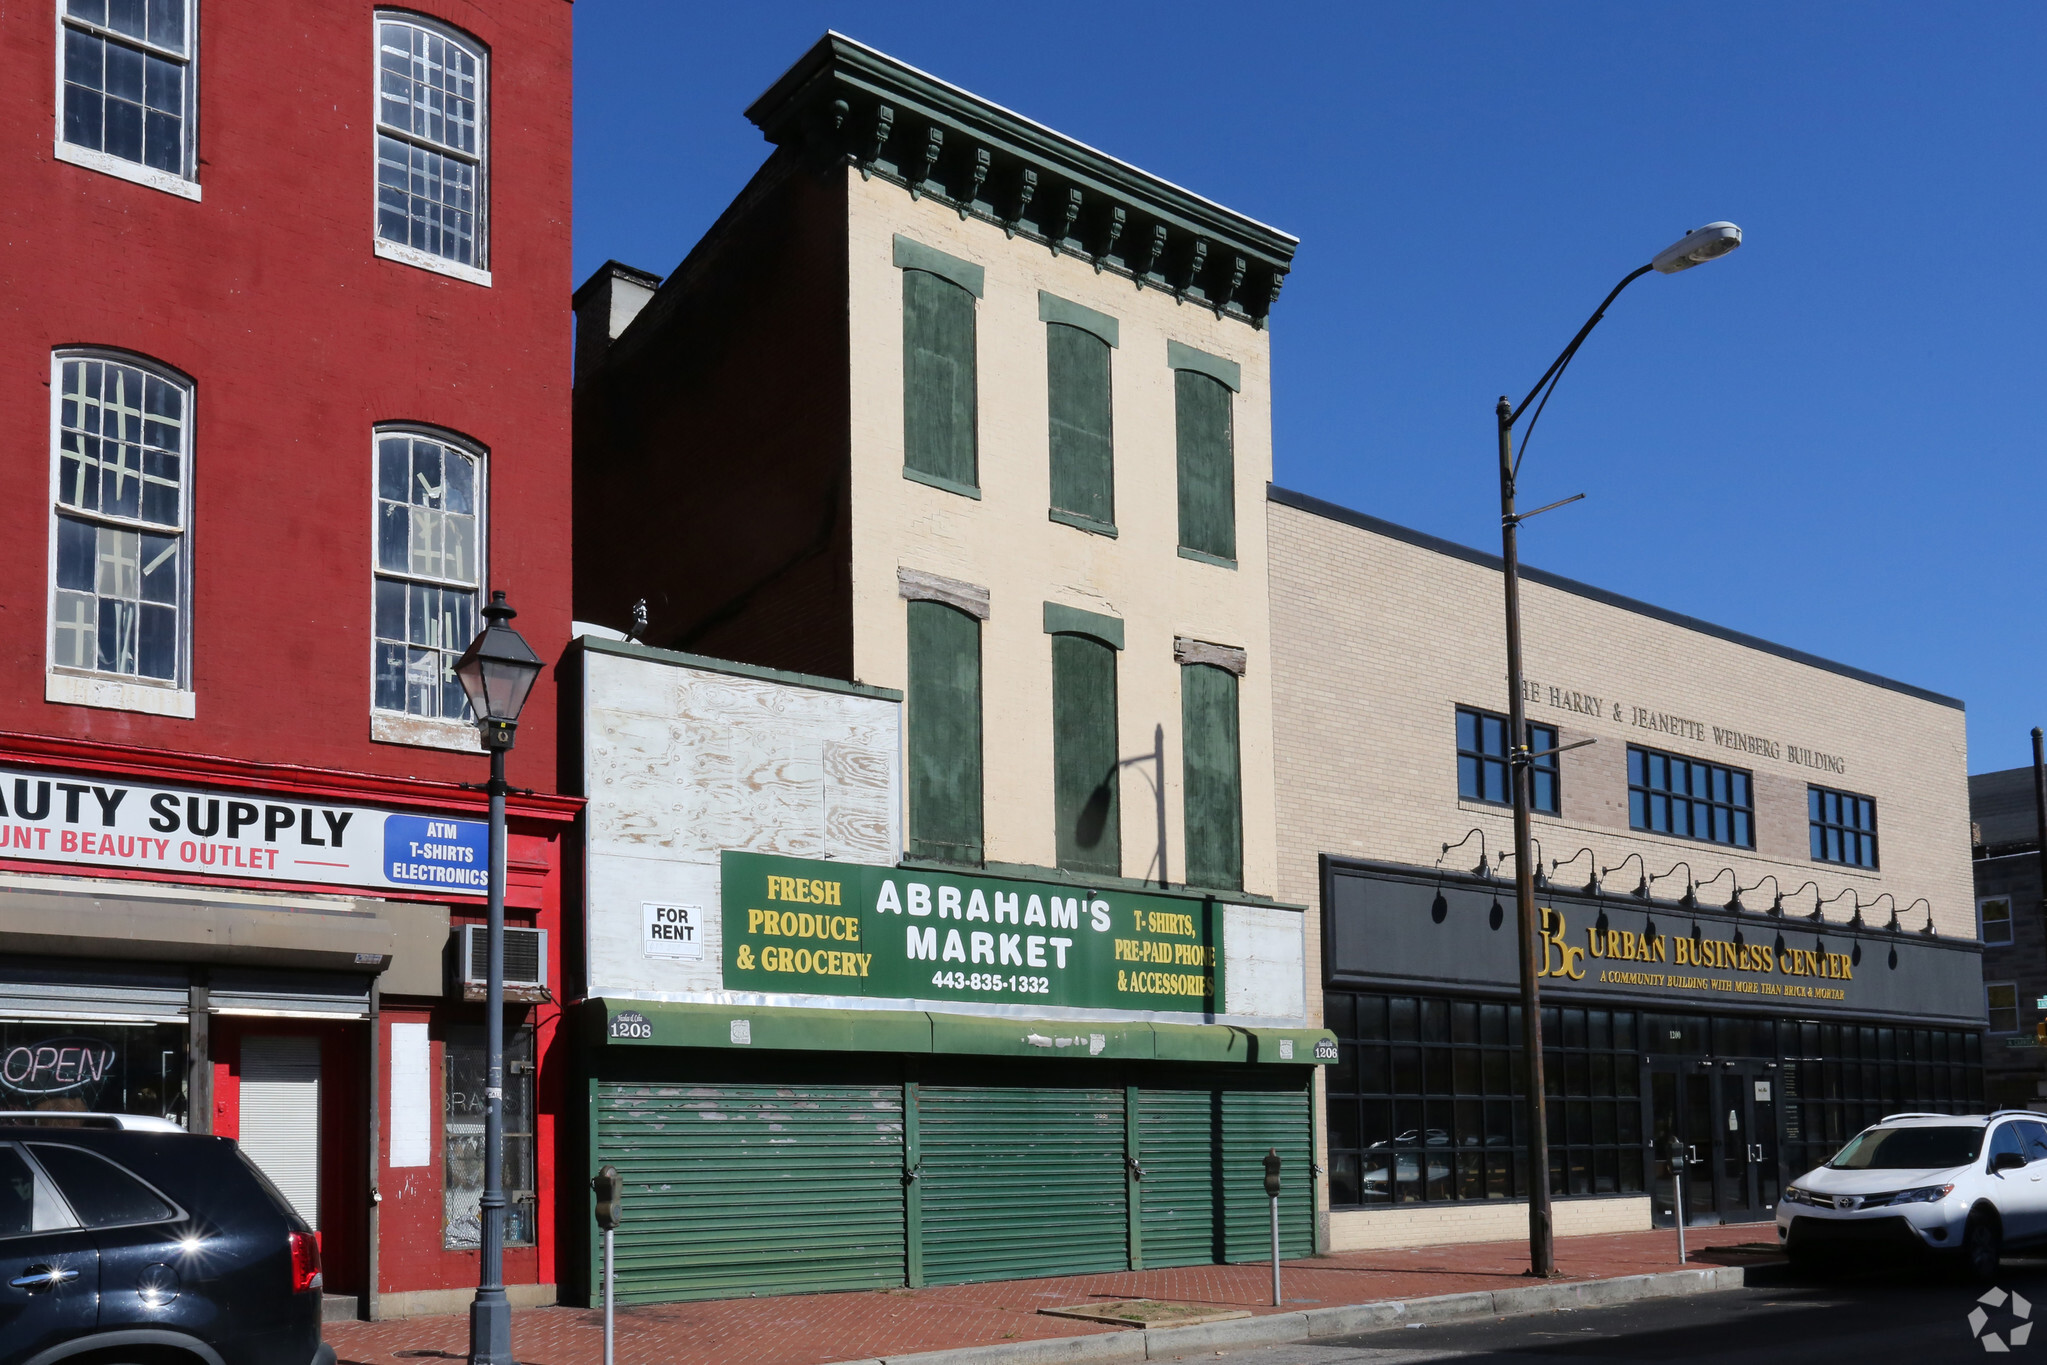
(813, 1329)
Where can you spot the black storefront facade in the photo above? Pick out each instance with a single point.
(1762, 1041)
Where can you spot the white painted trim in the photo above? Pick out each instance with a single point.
(127, 170)
(119, 694)
(426, 732)
(400, 727)
(426, 260)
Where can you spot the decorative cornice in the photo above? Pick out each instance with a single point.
(844, 103)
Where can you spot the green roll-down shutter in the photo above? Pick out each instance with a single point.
(1090, 837)
(938, 379)
(1213, 785)
(1021, 1181)
(1202, 1144)
(1261, 1112)
(734, 1189)
(1179, 1147)
(944, 705)
(1208, 477)
(1083, 460)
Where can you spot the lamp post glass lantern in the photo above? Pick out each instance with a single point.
(497, 672)
(1695, 248)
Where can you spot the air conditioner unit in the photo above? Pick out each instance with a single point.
(525, 962)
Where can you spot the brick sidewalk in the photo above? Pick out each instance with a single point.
(811, 1329)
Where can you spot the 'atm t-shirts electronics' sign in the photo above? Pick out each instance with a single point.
(50, 818)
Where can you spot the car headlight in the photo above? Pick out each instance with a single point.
(1925, 1194)
(1794, 1195)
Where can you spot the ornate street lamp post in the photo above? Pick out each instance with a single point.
(497, 671)
(1707, 243)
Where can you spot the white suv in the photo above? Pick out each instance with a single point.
(1967, 1186)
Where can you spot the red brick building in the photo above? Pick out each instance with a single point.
(284, 382)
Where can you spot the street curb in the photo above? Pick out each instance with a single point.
(1273, 1329)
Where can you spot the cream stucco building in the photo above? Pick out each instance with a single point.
(938, 468)
(1844, 981)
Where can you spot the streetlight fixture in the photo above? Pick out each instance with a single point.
(497, 672)
(1695, 248)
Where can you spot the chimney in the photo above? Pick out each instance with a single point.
(606, 305)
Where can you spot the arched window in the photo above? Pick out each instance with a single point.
(120, 596)
(432, 141)
(429, 570)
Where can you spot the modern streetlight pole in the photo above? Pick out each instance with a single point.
(1707, 243)
(497, 671)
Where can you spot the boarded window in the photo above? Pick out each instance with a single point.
(1084, 755)
(1213, 781)
(1208, 483)
(945, 733)
(1083, 464)
(938, 379)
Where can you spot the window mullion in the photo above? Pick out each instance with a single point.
(428, 144)
(127, 40)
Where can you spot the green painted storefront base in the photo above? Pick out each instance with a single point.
(777, 1150)
(643, 1023)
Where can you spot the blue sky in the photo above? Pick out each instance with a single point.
(1832, 439)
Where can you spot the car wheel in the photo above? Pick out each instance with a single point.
(1981, 1245)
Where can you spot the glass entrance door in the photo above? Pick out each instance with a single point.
(1746, 1133)
(1681, 1105)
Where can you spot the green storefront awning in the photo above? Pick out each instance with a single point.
(659, 1023)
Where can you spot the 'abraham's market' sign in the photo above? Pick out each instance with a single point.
(797, 926)
(47, 818)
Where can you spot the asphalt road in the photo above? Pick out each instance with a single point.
(1782, 1318)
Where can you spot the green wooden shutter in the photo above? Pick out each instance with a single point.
(1213, 780)
(1084, 755)
(1021, 1181)
(1208, 479)
(945, 733)
(938, 379)
(1262, 1111)
(1083, 460)
(754, 1188)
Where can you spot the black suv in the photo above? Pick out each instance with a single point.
(168, 1245)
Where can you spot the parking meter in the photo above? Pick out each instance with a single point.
(1272, 1193)
(610, 1188)
(1672, 1149)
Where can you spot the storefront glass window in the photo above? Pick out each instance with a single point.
(463, 1128)
(1424, 1102)
(52, 1065)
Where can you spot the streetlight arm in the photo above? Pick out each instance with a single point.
(1555, 372)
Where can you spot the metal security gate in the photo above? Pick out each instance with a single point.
(754, 1188)
(280, 1120)
(1017, 1181)
(1202, 1139)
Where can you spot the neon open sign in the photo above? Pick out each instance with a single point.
(54, 1067)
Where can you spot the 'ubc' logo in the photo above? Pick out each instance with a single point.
(1558, 957)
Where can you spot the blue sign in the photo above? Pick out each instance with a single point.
(434, 851)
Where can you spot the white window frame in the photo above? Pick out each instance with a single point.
(2016, 1004)
(1982, 933)
(402, 727)
(91, 687)
(397, 251)
(185, 185)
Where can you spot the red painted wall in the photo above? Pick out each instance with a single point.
(299, 340)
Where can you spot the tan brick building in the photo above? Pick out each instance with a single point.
(1720, 763)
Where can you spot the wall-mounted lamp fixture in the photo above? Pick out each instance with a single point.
(1928, 930)
(1592, 886)
(1688, 900)
(1776, 906)
(1641, 887)
(1484, 868)
(1734, 902)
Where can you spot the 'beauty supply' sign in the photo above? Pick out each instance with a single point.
(49, 818)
